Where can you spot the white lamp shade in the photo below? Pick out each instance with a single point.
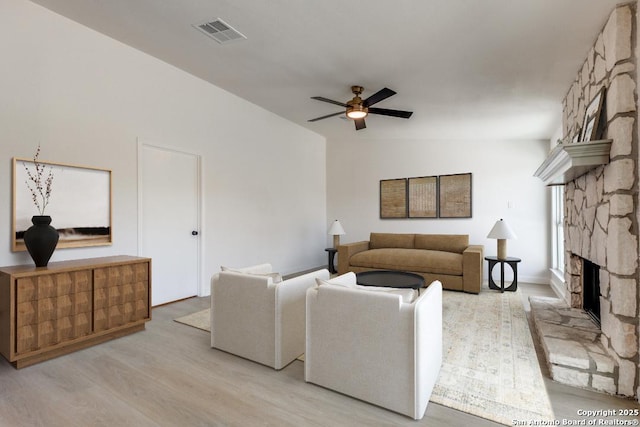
(501, 230)
(336, 229)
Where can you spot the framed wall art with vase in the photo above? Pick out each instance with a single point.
(78, 202)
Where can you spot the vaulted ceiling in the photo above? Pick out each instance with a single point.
(481, 69)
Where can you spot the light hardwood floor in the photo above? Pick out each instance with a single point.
(169, 376)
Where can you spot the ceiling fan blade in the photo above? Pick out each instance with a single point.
(326, 117)
(380, 95)
(330, 101)
(360, 124)
(393, 113)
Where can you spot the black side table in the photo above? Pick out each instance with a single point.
(513, 262)
(332, 255)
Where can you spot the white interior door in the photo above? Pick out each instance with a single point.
(169, 221)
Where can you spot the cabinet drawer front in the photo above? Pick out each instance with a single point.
(46, 309)
(82, 324)
(82, 303)
(52, 309)
(26, 289)
(46, 286)
(27, 313)
(47, 335)
(100, 319)
(65, 305)
(26, 339)
(121, 295)
(64, 328)
(53, 285)
(115, 295)
(83, 281)
(142, 309)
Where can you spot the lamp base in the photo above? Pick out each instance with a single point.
(336, 241)
(502, 248)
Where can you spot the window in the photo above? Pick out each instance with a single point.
(557, 223)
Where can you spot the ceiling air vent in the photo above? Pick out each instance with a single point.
(220, 31)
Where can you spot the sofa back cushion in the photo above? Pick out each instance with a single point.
(456, 243)
(391, 240)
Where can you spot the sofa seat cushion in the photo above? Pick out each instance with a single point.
(417, 260)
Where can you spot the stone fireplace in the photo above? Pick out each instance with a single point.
(601, 206)
(591, 290)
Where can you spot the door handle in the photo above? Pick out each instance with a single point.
(194, 233)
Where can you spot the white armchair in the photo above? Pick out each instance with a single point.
(373, 346)
(255, 318)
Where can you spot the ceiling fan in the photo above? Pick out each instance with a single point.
(357, 108)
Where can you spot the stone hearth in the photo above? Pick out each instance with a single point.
(571, 343)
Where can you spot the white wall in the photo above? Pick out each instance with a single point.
(87, 99)
(502, 177)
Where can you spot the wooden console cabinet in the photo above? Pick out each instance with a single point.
(49, 311)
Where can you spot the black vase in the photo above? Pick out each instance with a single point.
(41, 239)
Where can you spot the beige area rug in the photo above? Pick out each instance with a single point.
(490, 368)
(199, 319)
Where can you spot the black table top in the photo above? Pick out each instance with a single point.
(507, 259)
(390, 279)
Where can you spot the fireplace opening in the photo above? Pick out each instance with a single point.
(591, 290)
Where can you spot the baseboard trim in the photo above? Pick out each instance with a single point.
(539, 280)
(557, 283)
(300, 273)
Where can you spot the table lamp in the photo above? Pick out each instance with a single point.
(336, 231)
(502, 232)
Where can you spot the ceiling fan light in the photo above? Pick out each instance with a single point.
(357, 112)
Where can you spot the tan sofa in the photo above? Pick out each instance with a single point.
(445, 257)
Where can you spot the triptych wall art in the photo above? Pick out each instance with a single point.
(444, 196)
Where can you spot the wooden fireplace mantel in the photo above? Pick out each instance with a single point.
(568, 161)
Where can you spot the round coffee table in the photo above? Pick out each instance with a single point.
(390, 279)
